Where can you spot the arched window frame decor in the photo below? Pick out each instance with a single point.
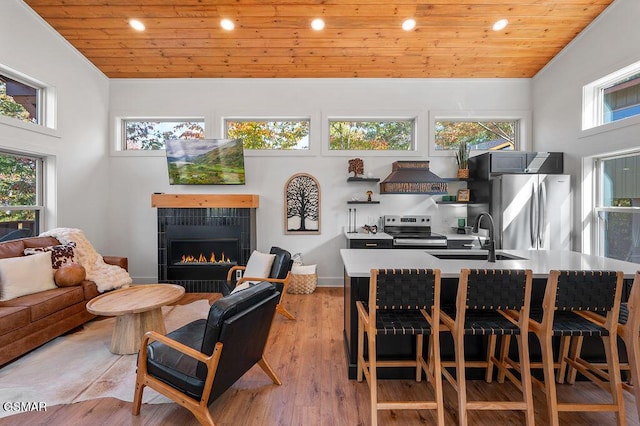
(302, 188)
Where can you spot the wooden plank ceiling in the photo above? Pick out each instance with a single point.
(362, 38)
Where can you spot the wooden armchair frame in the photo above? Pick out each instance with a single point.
(284, 281)
(199, 408)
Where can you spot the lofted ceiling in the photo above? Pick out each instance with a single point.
(362, 38)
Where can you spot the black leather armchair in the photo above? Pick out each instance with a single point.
(279, 276)
(196, 363)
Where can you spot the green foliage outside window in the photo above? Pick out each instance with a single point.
(276, 135)
(485, 135)
(9, 107)
(371, 135)
(18, 186)
(150, 135)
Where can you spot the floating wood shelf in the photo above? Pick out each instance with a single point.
(361, 179)
(205, 200)
(363, 202)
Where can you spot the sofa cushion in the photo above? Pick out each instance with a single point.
(24, 275)
(61, 254)
(13, 317)
(12, 248)
(48, 302)
(40, 242)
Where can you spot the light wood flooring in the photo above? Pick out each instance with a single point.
(309, 357)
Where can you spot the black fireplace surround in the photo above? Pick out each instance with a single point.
(198, 246)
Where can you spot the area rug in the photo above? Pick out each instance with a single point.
(79, 366)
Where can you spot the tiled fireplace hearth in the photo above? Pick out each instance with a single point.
(200, 237)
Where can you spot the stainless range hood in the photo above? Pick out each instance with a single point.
(412, 177)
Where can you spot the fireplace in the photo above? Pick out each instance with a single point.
(197, 252)
(197, 246)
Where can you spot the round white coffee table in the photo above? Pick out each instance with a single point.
(137, 309)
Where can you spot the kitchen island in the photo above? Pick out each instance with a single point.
(359, 262)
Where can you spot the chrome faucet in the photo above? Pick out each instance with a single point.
(490, 244)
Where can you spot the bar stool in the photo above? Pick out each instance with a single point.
(483, 300)
(571, 298)
(401, 302)
(629, 330)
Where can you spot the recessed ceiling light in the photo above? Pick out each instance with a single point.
(500, 25)
(409, 24)
(317, 24)
(136, 25)
(227, 24)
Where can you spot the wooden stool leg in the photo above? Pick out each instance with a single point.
(562, 354)
(633, 353)
(460, 379)
(504, 353)
(549, 379)
(491, 351)
(525, 370)
(360, 360)
(373, 383)
(613, 364)
(574, 353)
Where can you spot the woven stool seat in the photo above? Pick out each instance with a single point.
(485, 323)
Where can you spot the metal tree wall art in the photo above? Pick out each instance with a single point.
(302, 205)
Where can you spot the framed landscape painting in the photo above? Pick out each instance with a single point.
(205, 161)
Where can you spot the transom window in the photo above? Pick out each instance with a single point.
(618, 207)
(20, 100)
(269, 134)
(612, 98)
(372, 135)
(622, 99)
(486, 135)
(151, 134)
(21, 197)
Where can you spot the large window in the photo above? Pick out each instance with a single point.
(20, 100)
(372, 135)
(21, 197)
(151, 134)
(618, 207)
(269, 134)
(612, 98)
(487, 135)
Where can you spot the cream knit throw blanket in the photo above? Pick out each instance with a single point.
(106, 277)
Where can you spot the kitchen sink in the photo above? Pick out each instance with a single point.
(475, 256)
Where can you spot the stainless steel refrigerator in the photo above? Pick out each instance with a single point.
(531, 211)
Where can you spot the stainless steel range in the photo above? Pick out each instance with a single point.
(413, 232)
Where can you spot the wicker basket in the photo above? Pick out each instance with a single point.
(302, 283)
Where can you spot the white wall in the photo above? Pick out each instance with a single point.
(610, 43)
(132, 221)
(78, 146)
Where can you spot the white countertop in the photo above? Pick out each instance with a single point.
(359, 262)
(360, 235)
(367, 236)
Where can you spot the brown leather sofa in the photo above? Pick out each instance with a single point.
(29, 321)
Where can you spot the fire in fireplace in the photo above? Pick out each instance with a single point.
(198, 246)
